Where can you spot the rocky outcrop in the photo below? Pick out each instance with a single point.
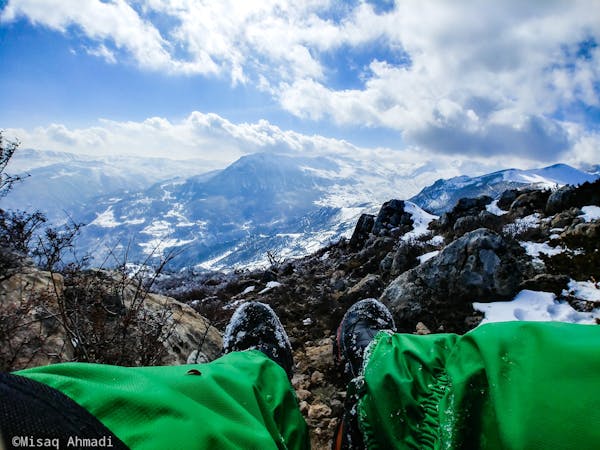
(529, 202)
(569, 196)
(480, 266)
(392, 216)
(467, 215)
(362, 230)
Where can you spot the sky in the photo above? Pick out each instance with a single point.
(508, 83)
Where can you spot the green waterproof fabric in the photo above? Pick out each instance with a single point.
(513, 385)
(242, 400)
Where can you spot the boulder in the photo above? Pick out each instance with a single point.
(369, 286)
(560, 199)
(465, 216)
(392, 215)
(569, 196)
(547, 283)
(479, 266)
(507, 198)
(565, 218)
(405, 258)
(362, 230)
(529, 202)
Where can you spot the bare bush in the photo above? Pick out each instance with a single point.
(102, 315)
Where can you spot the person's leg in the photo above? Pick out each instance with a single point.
(241, 400)
(357, 329)
(516, 385)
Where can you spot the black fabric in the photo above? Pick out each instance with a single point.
(35, 415)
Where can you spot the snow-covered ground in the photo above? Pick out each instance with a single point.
(543, 306)
(493, 208)
(590, 213)
(421, 220)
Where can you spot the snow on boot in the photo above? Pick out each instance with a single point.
(255, 326)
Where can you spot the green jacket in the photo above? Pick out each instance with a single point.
(512, 385)
(242, 400)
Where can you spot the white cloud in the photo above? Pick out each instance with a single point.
(476, 77)
(206, 136)
(103, 52)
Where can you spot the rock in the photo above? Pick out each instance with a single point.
(471, 206)
(565, 218)
(464, 216)
(337, 407)
(582, 235)
(268, 276)
(405, 258)
(560, 199)
(529, 202)
(569, 197)
(392, 215)
(385, 265)
(547, 283)
(317, 377)
(320, 355)
(507, 198)
(484, 219)
(304, 407)
(369, 286)
(303, 394)
(362, 230)
(479, 266)
(318, 411)
(421, 329)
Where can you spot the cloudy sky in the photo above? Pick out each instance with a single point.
(508, 82)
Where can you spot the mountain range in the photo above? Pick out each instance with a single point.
(263, 206)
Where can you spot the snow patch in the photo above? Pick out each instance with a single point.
(106, 219)
(421, 220)
(436, 240)
(584, 290)
(211, 264)
(534, 306)
(248, 290)
(428, 256)
(270, 285)
(523, 224)
(493, 208)
(534, 249)
(590, 213)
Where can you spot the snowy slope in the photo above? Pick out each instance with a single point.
(263, 203)
(442, 195)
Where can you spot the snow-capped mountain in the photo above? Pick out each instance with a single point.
(442, 195)
(60, 184)
(280, 205)
(263, 203)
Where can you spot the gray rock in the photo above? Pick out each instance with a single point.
(392, 215)
(480, 266)
(546, 282)
(362, 230)
(370, 286)
(529, 202)
(560, 199)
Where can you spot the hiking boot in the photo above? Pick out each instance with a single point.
(255, 326)
(360, 324)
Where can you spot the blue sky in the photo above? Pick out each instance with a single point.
(516, 83)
